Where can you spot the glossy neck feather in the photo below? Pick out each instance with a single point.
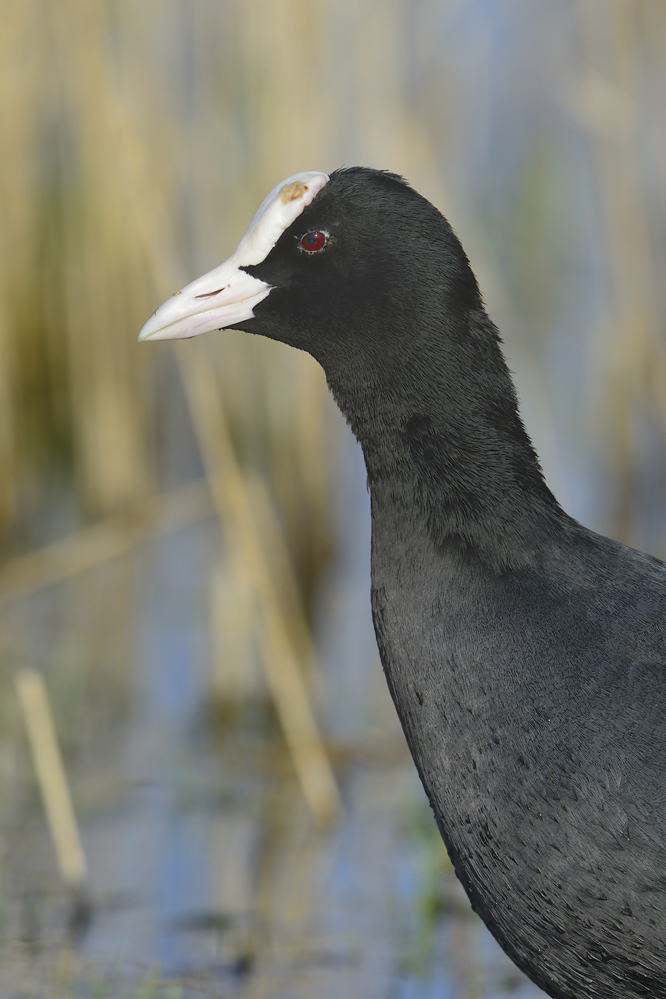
(445, 447)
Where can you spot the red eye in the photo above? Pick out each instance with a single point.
(313, 241)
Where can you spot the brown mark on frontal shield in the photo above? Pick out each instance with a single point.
(293, 192)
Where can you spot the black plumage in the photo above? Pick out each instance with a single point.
(524, 653)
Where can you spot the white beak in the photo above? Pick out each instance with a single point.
(228, 294)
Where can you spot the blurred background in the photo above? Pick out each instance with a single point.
(184, 529)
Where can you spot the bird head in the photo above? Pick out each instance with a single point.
(355, 269)
(366, 275)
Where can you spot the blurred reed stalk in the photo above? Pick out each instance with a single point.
(637, 375)
(19, 61)
(104, 276)
(52, 780)
(279, 657)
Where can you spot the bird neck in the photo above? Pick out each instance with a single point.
(447, 454)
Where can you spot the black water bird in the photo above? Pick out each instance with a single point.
(524, 653)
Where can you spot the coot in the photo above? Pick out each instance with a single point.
(524, 653)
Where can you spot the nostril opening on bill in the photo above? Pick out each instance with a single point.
(211, 294)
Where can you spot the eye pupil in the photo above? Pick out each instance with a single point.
(313, 241)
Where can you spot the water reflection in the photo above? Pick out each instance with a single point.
(208, 875)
